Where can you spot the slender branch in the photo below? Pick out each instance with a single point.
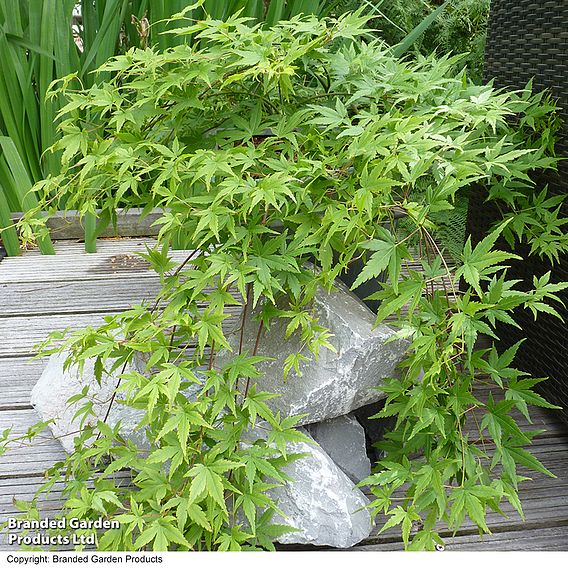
(173, 334)
(152, 310)
(243, 322)
(254, 351)
(189, 258)
(211, 355)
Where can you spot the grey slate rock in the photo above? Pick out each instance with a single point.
(343, 440)
(56, 385)
(322, 502)
(338, 382)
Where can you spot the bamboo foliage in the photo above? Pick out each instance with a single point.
(401, 48)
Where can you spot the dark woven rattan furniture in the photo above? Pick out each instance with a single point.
(529, 39)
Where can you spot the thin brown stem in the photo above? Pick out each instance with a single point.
(113, 397)
(243, 322)
(152, 310)
(211, 355)
(172, 336)
(189, 258)
(254, 351)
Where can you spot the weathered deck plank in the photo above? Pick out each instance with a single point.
(113, 260)
(537, 539)
(18, 375)
(73, 297)
(27, 459)
(70, 225)
(21, 334)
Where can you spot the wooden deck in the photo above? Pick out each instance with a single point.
(39, 294)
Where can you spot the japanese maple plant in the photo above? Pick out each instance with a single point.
(279, 156)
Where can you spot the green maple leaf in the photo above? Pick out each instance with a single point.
(482, 261)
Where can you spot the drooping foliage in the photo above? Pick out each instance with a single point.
(279, 156)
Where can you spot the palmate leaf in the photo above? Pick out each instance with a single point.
(521, 392)
(232, 539)
(243, 365)
(185, 511)
(409, 292)
(544, 289)
(429, 486)
(511, 456)
(256, 461)
(482, 261)
(255, 404)
(205, 481)
(467, 500)
(426, 540)
(161, 532)
(404, 517)
(500, 425)
(183, 422)
(460, 397)
(526, 459)
(510, 493)
(498, 366)
(388, 254)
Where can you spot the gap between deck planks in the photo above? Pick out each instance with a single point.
(39, 294)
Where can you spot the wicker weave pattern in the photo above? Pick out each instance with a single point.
(529, 39)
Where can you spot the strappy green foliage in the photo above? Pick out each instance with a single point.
(37, 46)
